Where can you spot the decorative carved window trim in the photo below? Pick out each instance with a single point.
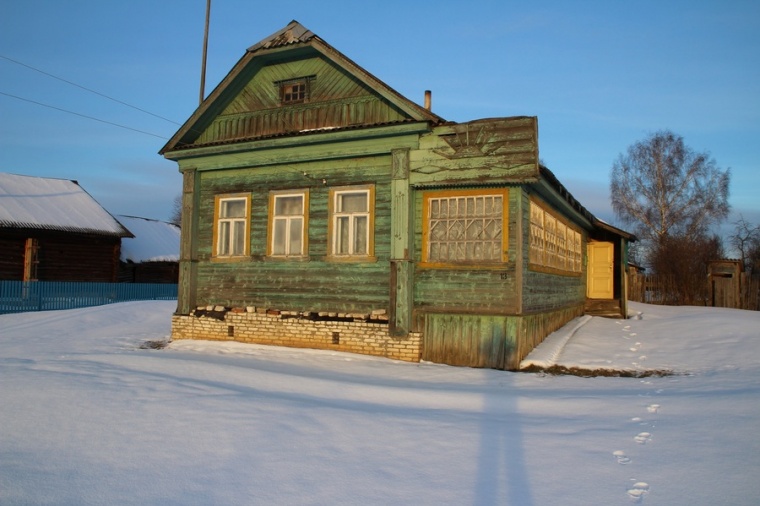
(465, 227)
(555, 245)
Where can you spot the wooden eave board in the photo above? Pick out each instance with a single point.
(307, 148)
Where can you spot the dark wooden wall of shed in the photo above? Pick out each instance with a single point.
(70, 257)
(62, 256)
(311, 284)
(11, 258)
(148, 272)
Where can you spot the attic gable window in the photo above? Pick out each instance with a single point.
(295, 91)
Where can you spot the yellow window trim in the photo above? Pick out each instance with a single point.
(370, 256)
(428, 195)
(215, 233)
(542, 267)
(304, 192)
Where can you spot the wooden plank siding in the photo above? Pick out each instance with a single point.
(336, 100)
(489, 289)
(494, 151)
(314, 283)
(549, 291)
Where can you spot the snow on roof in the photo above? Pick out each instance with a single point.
(154, 241)
(53, 204)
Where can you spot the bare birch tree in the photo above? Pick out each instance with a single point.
(176, 217)
(662, 188)
(746, 239)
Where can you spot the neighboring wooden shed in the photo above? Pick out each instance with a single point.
(53, 230)
(724, 279)
(152, 255)
(323, 209)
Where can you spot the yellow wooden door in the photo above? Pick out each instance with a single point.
(600, 270)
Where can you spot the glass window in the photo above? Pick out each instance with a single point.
(288, 224)
(553, 243)
(466, 226)
(352, 221)
(232, 225)
(295, 91)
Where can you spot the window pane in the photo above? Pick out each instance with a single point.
(352, 202)
(238, 237)
(296, 227)
(465, 228)
(279, 236)
(288, 206)
(224, 238)
(341, 235)
(233, 208)
(360, 235)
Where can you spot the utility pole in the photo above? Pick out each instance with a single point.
(205, 50)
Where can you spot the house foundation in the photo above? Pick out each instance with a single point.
(363, 334)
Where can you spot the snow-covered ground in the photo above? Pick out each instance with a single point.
(88, 417)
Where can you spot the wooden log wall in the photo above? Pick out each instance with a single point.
(62, 257)
(12, 258)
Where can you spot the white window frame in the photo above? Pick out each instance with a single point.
(351, 218)
(289, 221)
(227, 229)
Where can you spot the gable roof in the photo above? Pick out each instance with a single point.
(28, 202)
(293, 41)
(154, 241)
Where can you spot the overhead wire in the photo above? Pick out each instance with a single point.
(81, 115)
(288, 167)
(87, 89)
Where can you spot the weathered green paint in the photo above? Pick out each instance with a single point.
(542, 291)
(313, 283)
(313, 148)
(402, 244)
(496, 342)
(401, 304)
(188, 261)
(503, 150)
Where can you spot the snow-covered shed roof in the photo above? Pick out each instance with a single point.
(30, 202)
(154, 241)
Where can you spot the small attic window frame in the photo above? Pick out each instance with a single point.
(295, 91)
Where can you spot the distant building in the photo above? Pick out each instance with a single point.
(53, 230)
(152, 255)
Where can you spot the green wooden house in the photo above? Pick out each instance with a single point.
(323, 209)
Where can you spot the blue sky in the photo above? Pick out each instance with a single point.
(598, 75)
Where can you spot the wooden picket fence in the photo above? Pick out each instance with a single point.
(656, 289)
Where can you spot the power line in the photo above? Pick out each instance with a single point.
(81, 115)
(86, 89)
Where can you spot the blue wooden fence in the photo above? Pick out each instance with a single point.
(20, 296)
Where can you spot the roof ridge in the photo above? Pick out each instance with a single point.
(293, 33)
